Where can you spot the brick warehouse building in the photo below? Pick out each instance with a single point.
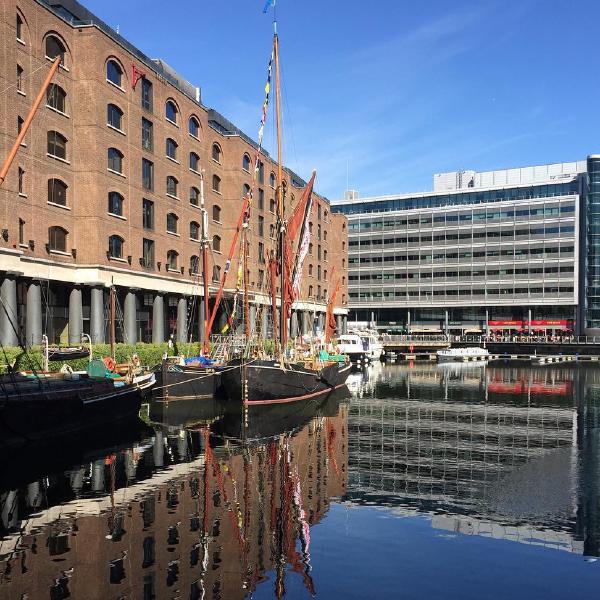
(106, 190)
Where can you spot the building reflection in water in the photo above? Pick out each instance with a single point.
(508, 453)
(173, 517)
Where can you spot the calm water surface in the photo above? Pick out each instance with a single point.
(421, 481)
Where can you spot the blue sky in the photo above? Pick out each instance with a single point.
(391, 91)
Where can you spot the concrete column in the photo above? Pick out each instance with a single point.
(338, 324)
(294, 324)
(34, 497)
(8, 312)
(10, 509)
(182, 324)
(252, 318)
(97, 323)
(264, 323)
(75, 316)
(76, 478)
(345, 324)
(158, 319)
(158, 450)
(98, 475)
(130, 318)
(33, 321)
(408, 322)
(304, 319)
(182, 445)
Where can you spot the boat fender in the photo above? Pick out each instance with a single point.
(135, 360)
(109, 363)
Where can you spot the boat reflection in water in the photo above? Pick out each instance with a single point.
(501, 452)
(178, 514)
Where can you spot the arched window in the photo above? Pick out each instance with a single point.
(194, 196)
(272, 179)
(194, 127)
(325, 255)
(115, 246)
(325, 274)
(56, 98)
(114, 73)
(194, 265)
(216, 153)
(246, 162)
(272, 205)
(114, 116)
(319, 272)
(216, 183)
(171, 111)
(57, 192)
(171, 148)
(54, 48)
(194, 162)
(20, 27)
(216, 213)
(245, 190)
(115, 160)
(172, 220)
(115, 203)
(310, 291)
(172, 258)
(325, 235)
(310, 227)
(171, 186)
(57, 145)
(216, 274)
(310, 248)
(216, 243)
(194, 230)
(57, 239)
(310, 270)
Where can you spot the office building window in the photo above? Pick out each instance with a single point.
(55, 48)
(21, 232)
(216, 184)
(261, 225)
(194, 196)
(56, 98)
(216, 243)
(216, 213)
(194, 230)
(272, 179)
(20, 78)
(216, 274)
(194, 162)
(246, 162)
(194, 265)
(216, 153)
(21, 181)
(19, 27)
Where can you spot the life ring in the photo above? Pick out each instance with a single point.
(135, 360)
(109, 363)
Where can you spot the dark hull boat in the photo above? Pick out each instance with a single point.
(269, 383)
(186, 382)
(62, 354)
(32, 408)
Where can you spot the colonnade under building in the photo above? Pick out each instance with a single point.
(31, 308)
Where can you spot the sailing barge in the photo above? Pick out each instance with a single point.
(252, 380)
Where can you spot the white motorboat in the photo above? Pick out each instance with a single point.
(471, 354)
(360, 346)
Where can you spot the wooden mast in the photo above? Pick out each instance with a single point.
(28, 120)
(111, 321)
(204, 323)
(280, 204)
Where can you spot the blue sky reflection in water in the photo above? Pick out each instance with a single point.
(431, 482)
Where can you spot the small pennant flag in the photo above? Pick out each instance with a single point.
(268, 5)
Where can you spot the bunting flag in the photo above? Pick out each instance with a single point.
(265, 106)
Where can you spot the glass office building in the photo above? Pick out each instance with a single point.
(508, 250)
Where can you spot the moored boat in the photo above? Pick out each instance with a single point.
(470, 354)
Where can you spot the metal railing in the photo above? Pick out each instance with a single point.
(391, 339)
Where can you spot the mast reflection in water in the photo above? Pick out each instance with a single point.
(430, 481)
